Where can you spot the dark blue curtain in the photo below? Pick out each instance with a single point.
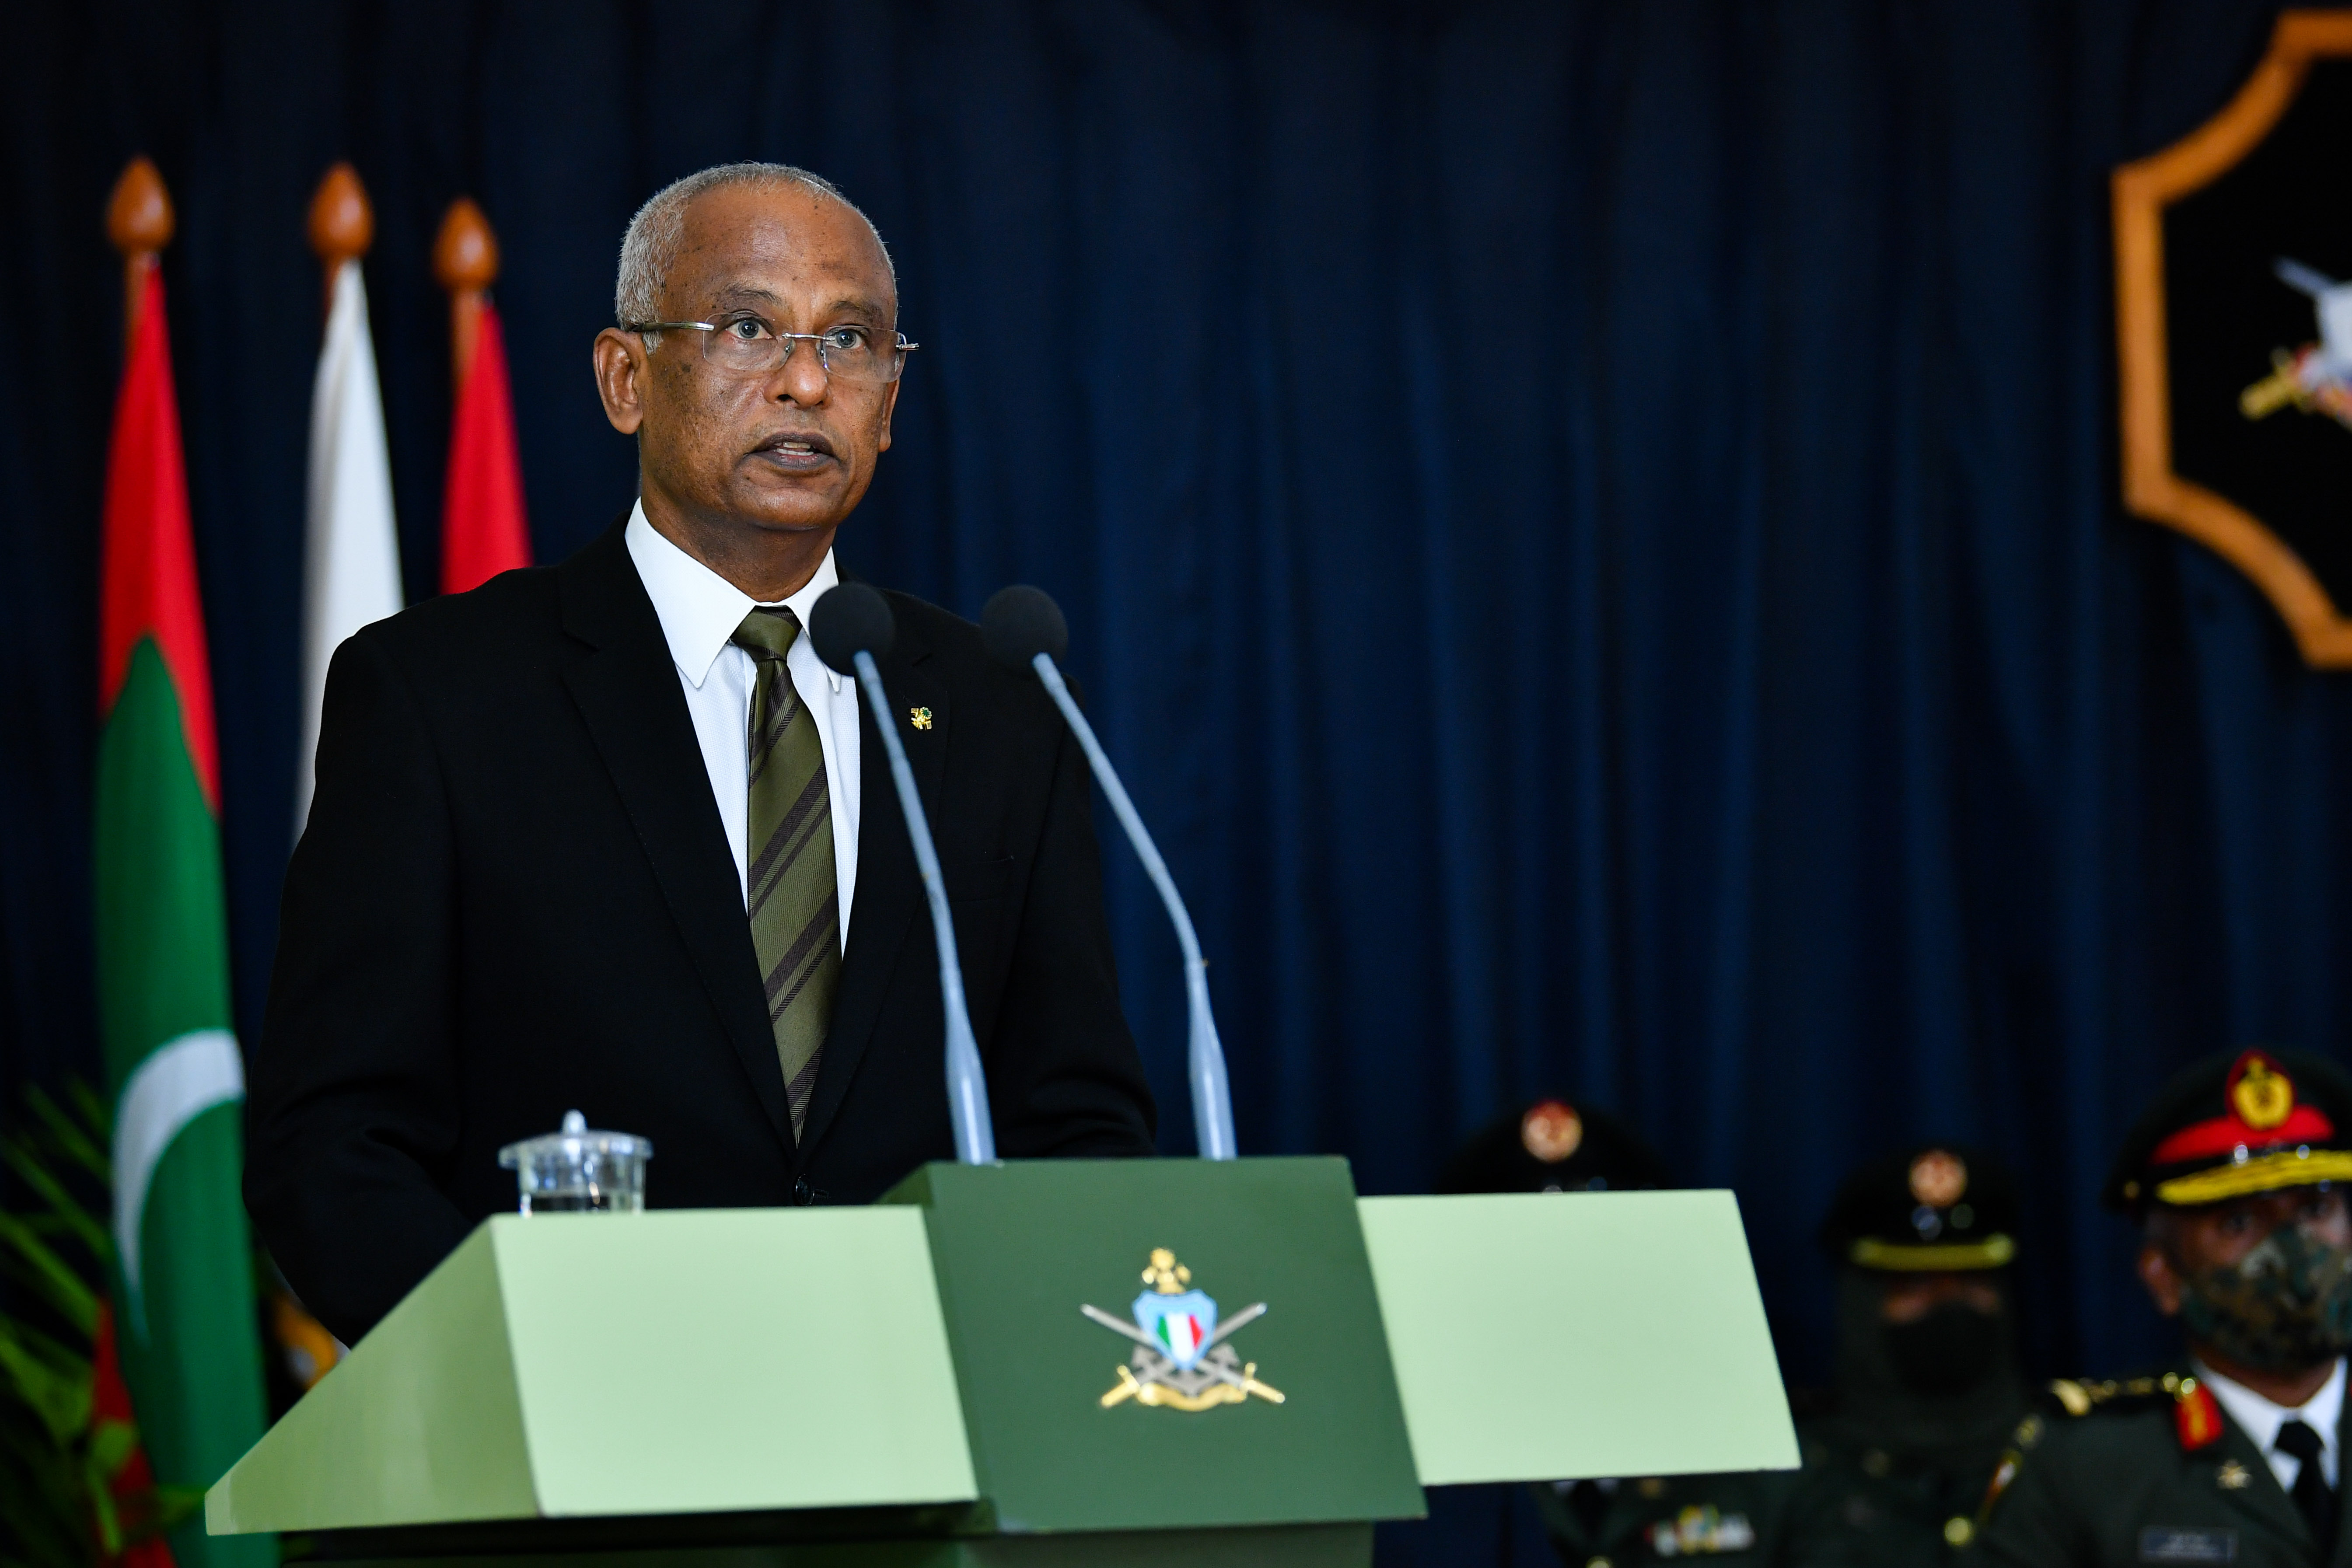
(1592, 528)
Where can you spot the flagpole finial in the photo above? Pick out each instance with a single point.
(139, 222)
(139, 213)
(343, 224)
(465, 261)
(466, 254)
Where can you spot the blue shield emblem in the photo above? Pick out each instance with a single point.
(1179, 1325)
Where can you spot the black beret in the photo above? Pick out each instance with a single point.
(2254, 1121)
(1932, 1206)
(1552, 1146)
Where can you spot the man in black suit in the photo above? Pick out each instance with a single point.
(513, 896)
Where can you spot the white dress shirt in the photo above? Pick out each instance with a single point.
(699, 610)
(2261, 1419)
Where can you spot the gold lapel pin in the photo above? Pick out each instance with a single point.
(919, 717)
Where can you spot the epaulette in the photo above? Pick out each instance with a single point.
(2196, 1416)
(2080, 1396)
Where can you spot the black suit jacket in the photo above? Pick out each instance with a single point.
(514, 898)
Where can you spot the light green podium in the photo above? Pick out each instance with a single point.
(961, 1374)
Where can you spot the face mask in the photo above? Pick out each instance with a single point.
(1950, 1350)
(2284, 1306)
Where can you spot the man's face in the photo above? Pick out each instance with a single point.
(2192, 1242)
(792, 449)
(1943, 1331)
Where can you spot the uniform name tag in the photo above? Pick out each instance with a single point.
(2174, 1543)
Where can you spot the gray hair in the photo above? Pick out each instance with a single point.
(650, 247)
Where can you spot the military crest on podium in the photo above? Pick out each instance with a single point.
(1181, 1359)
(2234, 285)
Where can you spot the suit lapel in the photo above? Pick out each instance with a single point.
(889, 902)
(627, 693)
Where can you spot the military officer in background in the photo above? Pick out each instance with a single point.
(1928, 1385)
(2236, 1175)
(1553, 1146)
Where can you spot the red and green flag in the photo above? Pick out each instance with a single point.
(188, 1341)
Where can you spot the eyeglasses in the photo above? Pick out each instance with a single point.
(746, 345)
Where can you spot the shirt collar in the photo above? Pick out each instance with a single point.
(2261, 1417)
(698, 609)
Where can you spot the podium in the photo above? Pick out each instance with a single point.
(1049, 1363)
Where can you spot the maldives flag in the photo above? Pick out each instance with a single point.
(482, 528)
(189, 1344)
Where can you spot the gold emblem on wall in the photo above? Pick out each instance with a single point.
(2232, 310)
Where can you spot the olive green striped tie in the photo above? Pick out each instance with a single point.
(791, 893)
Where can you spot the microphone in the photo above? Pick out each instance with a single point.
(849, 626)
(1023, 629)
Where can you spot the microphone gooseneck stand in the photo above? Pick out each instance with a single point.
(848, 624)
(1213, 1105)
(1022, 625)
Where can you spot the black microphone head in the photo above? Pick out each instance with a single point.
(850, 619)
(1019, 623)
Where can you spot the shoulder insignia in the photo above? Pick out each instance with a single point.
(2197, 1416)
(2080, 1396)
(2233, 1476)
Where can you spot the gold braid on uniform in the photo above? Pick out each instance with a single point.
(2080, 1396)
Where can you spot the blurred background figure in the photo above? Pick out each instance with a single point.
(1929, 1386)
(1558, 1146)
(1553, 1146)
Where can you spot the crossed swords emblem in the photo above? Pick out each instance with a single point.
(1152, 1377)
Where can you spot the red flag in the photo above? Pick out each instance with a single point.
(482, 528)
(148, 584)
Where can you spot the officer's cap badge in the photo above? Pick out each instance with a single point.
(1939, 1178)
(2262, 1095)
(1181, 1359)
(1552, 1130)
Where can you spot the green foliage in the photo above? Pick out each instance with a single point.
(58, 1467)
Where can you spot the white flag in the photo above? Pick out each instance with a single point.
(350, 568)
